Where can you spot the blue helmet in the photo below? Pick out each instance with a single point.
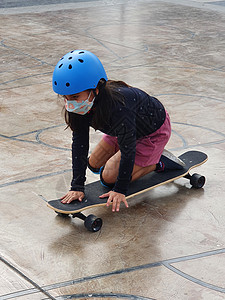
(77, 71)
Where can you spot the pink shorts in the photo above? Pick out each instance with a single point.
(149, 148)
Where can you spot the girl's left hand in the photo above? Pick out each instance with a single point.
(115, 199)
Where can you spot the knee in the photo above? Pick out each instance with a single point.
(93, 170)
(106, 179)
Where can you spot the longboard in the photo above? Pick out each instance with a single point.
(93, 190)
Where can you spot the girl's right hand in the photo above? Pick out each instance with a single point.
(71, 196)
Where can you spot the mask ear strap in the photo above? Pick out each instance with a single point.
(89, 95)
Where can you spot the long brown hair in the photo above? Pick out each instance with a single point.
(107, 97)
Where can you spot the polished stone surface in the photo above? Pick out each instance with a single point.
(170, 243)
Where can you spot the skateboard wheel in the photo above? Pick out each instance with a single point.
(197, 181)
(92, 223)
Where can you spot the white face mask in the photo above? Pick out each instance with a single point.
(80, 108)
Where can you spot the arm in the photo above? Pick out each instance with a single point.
(126, 134)
(127, 145)
(80, 147)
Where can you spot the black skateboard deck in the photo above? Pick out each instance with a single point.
(93, 190)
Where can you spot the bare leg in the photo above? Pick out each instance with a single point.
(111, 170)
(138, 171)
(101, 154)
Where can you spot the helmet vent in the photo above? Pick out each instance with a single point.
(67, 84)
(60, 66)
(55, 83)
(81, 52)
(70, 67)
(80, 60)
(70, 57)
(71, 51)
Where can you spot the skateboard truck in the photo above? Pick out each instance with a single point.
(91, 222)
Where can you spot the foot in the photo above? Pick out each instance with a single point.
(169, 161)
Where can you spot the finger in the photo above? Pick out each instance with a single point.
(70, 200)
(118, 205)
(126, 204)
(104, 195)
(109, 201)
(65, 198)
(80, 198)
(65, 201)
(114, 205)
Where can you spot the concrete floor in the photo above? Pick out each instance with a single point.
(170, 243)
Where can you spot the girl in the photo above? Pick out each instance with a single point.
(136, 126)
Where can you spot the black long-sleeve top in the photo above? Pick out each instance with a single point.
(139, 116)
